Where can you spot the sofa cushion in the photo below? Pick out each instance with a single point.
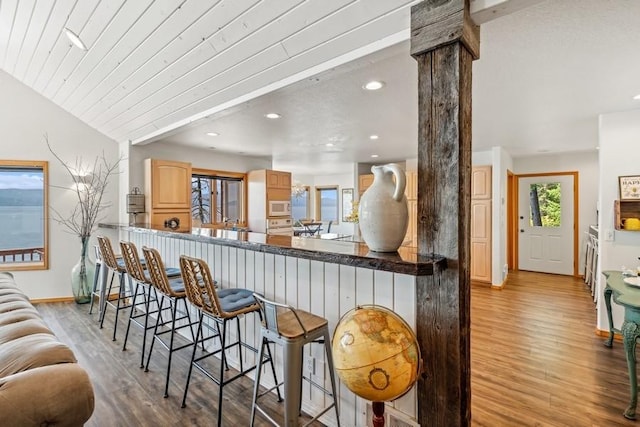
(18, 315)
(23, 328)
(57, 395)
(13, 302)
(32, 351)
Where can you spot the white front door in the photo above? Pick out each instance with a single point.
(546, 224)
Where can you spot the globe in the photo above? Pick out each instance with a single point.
(375, 353)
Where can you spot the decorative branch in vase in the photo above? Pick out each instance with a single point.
(89, 185)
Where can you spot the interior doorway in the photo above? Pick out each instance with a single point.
(542, 233)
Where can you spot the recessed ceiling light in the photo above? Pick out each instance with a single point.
(272, 116)
(374, 156)
(374, 137)
(329, 144)
(373, 85)
(75, 39)
(637, 97)
(212, 134)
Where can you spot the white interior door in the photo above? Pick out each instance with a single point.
(546, 224)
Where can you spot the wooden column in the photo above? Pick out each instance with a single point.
(444, 42)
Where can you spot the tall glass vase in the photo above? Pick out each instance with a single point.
(82, 274)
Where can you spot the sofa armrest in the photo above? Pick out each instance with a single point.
(57, 395)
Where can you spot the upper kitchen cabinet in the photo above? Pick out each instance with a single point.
(364, 182)
(481, 182)
(168, 184)
(278, 179)
(168, 194)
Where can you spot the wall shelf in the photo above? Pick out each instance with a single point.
(625, 209)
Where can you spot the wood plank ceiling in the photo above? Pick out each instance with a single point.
(151, 65)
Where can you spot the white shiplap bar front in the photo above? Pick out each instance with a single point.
(328, 289)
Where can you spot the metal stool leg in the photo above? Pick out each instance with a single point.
(193, 356)
(122, 294)
(94, 291)
(104, 305)
(292, 382)
(332, 375)
(256, 384)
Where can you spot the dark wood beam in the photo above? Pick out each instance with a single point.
(444, 43)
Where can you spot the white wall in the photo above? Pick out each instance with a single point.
(25, 116)
(502, 162)
(342, 181)
(586, 163)
(619, 142)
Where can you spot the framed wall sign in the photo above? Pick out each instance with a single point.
(347, 203)
(629, 187)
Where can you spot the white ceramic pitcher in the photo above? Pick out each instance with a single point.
(383, 212)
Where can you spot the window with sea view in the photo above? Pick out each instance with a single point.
(23, 223)
(327, 203)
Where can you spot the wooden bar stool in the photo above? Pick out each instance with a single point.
(221, 306)
(292, 329)
(170, 290)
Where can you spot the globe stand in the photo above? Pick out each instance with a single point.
(378, 414)
(372, 342)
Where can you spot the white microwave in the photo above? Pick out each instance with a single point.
(279, 208)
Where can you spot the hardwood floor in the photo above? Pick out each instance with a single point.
(535, 361)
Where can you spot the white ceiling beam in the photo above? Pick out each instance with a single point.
(483, 11)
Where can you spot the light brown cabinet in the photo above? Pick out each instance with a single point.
(412, 227)
(481, 223)
(278, 179)
(278, 185)
(481, 240)
(481, 182)
(364, 182)
(411, 191)
(168, 194)
(265, 185)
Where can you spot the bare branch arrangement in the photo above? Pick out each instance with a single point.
(90, 184)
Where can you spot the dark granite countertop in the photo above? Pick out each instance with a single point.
(338, 251)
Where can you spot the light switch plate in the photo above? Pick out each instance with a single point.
(608, 235)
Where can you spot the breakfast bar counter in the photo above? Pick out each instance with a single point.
(337, 250)
(327, 277)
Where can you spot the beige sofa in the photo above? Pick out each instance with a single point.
(40, 382)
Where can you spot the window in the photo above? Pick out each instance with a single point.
(218, 197)
(327, 203)
(544, 205)
(300, 205)
(23, 219)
